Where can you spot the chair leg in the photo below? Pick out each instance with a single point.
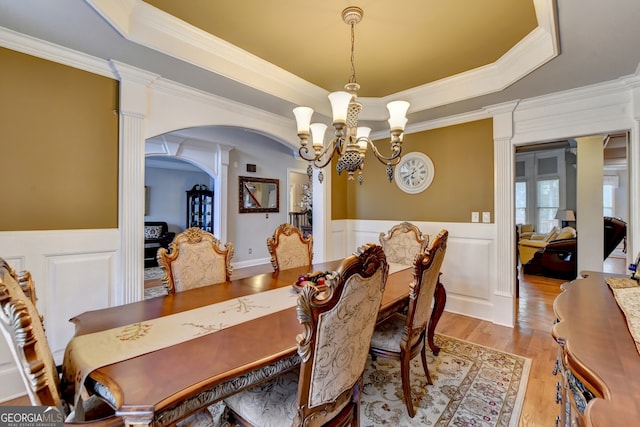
(405, 361)
(424, 364)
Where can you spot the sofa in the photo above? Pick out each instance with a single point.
(156, 236)
(558, 258)
(525, 231)
(527, 247)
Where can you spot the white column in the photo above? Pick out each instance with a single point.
(134, 85)
(322, 227)
(221, 196)
(633, 162)
(503, 158)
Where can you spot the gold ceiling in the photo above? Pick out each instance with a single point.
(399, 44)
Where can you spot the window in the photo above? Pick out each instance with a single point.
(609, 186)
(540, 187)
(548, 202)
(521, 202)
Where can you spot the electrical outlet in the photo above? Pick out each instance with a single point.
(486, 216)
(475, 216)
(250, 251)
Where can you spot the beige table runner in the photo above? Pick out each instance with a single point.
(86, 353)
(89, 352)
(627, 294)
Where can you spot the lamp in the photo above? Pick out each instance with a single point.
(350, 141)
(565, 215)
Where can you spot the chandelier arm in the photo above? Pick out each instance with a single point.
(334, 147)
(393, 159)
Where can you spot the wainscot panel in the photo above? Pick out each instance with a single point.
(74, 271)
(468, 270)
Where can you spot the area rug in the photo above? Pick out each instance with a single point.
(156, 291)
(151, 273)
(472, 385)
(154, 273)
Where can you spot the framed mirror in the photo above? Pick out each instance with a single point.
(258, 194)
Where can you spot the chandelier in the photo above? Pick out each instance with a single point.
(350, 141)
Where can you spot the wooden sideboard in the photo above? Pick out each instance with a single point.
(598, 363)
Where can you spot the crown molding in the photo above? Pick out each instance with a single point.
(144, 24)
(53, 52)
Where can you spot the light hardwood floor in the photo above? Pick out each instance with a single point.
(531, 337)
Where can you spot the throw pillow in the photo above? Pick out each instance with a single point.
(152, 231)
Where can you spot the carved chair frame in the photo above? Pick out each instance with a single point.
(192, 235)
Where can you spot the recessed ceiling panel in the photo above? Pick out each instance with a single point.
(398, 45)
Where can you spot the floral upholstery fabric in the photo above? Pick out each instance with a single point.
(424, 300)
(291, 252)
(402, 248)
(403, 242)
(333, 365)
(344, 336)
(212, 416)
(272, 404)
(388, 334)
(289, 248)
(197, 265)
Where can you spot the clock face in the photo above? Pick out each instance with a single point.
(414, 173)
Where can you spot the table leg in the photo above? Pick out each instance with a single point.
(439, 301)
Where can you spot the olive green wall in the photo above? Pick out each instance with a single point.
(463, 160)
(58, 146)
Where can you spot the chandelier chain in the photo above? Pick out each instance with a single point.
(352, 79)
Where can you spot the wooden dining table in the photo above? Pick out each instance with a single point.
(163, 386)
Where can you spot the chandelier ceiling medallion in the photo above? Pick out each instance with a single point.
(350, 141)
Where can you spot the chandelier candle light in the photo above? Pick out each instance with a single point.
(350, 141)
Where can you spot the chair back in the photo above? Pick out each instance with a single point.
(22, 328)
(289, 248)
(403, 242)
(426, 271)
(195, 258)
(338, 324)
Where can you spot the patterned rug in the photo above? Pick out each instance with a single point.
(472, 386)
(152, 273)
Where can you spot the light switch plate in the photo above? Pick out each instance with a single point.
(486, 216)
(475, 216)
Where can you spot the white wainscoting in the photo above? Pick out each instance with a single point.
(74, 271)
(468, 271)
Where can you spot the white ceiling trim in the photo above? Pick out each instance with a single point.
(141, 23)
(53, 52)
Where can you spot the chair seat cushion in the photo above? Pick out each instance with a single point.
(388, 334)
(271, 404)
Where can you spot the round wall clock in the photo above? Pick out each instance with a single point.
(414, 173)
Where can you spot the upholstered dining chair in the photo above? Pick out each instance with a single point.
(23, 330)
(195, 258)
(289, 248)
(402, 336)
(403, 242)
(338, 322)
